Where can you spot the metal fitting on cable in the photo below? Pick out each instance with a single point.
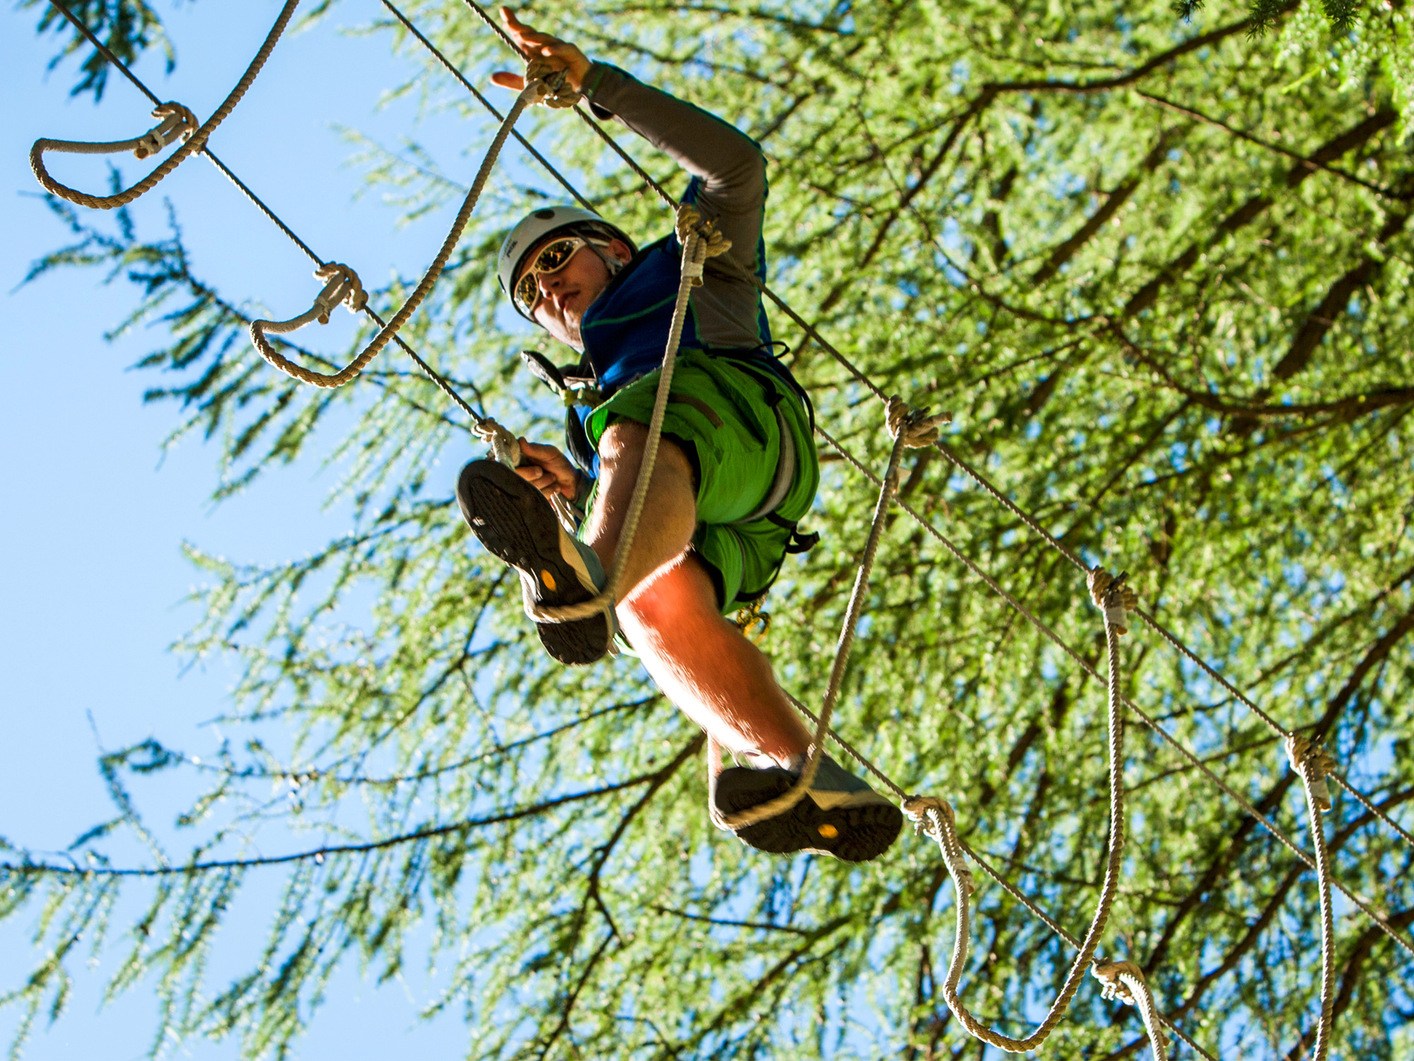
(1112, 595)
(1312, 762)
(177, 122)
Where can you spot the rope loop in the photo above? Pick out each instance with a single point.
(916, 427)
(341, 285)
(1112, 595)
(176, 122)
(1312, 762)
(555, 92)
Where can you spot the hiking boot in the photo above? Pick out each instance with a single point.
(839, 814)
(515, 522)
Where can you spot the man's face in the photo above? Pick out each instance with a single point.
(566, 293)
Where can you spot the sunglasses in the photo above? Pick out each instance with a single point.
(553, 257)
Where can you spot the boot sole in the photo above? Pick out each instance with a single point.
(517, 525)
(852, 832)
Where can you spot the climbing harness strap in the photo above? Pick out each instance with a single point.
(786, 467)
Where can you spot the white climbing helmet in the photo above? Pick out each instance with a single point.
(546, 221)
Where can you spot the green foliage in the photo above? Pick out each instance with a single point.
(1159, 274)
(127, 28)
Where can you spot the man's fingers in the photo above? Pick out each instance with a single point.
(505, 79)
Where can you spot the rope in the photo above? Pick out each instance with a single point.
(1311, 763)
(534, 90)
(1124, 982)
(910, 429)
(487, 427)
(1031, 617)
(939, 825)
(177, 121)
(925, 804)
(700, 241)
(1158, 628)
(480, 422)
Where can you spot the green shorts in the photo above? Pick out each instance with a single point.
(724, 415)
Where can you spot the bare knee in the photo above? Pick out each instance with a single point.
(680, 601)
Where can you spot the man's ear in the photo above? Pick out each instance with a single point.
(619, 250)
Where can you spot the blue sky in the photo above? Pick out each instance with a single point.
(95, 588)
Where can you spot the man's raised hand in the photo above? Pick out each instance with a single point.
(536, 45)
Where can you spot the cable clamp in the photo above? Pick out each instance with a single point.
(177, 122)
(1312, 763)
(1112, 595)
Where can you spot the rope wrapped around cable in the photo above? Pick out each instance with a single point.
(176, 122)
(534, 90)
(911, 429)
(936, 819)
(700, 240)
(1124, 982)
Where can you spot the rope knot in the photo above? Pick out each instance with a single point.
(710, 241)
(341, 284)
(176, 122)
(935, 818)
(1312, 763)
(504, 446)
(1112, 980)
(1112, 595)
(554, 91)
(917, 427)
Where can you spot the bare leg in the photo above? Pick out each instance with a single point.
(697, 657)
(707, 668)
(669, 512)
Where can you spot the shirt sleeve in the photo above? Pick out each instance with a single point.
(728, 185)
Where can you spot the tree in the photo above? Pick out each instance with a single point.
(1156, 269)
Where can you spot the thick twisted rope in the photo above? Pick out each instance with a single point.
(1124, 982)
(698, 241)
(1031, 617)
(176, 121)
(910, 430)
(1173, 640)
(1312, 763)
(534, 90)
(939, 825)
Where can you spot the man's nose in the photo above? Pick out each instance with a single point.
(548, 282)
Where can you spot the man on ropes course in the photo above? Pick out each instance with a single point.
(736, 467)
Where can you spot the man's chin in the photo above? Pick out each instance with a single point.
(568, 332)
